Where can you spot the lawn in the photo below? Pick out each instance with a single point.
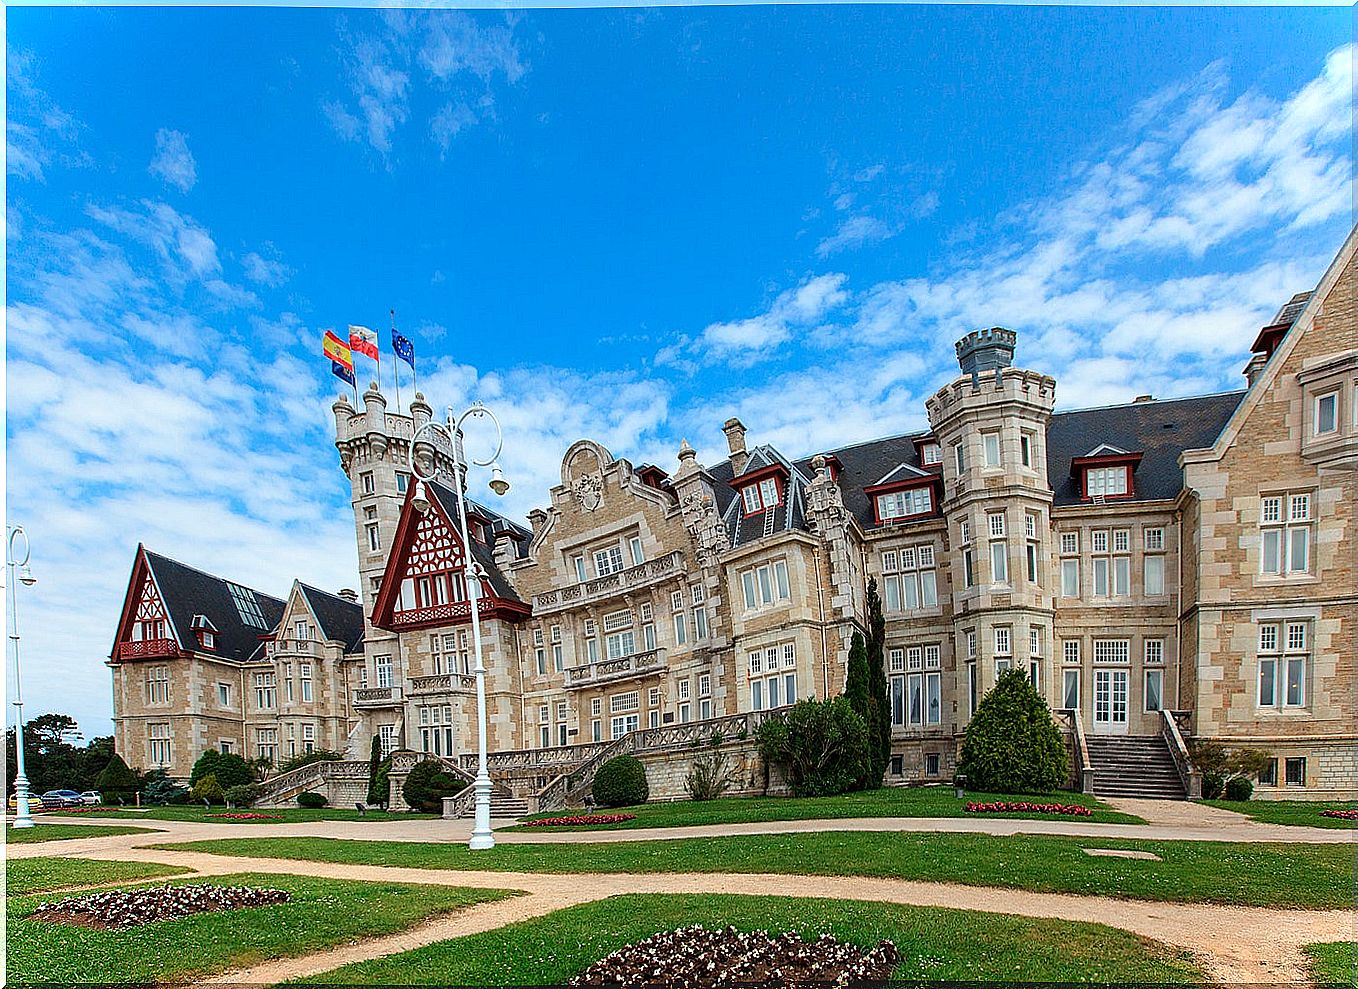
(43, 831)
(200, 815)
(935, 944)
(322, 913)
(1305, 813)
(1260, 874)
(1334, 964)
(39, 875)
(890, 801)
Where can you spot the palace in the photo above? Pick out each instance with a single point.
(1162, 570)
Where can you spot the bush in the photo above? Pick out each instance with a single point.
(427, 785)
(307, 758)
(311, 801)
(1213, 784)
(242, 795)
(208, 789)
(621, 782)
(1220, 766)
(229, 768)
(1239, 788)
(822, 746)
(116, 781)
(1012, 745)
(710, 777)
(163, 790)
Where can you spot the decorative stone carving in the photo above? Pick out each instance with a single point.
(589, 490)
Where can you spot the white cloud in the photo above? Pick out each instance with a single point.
(266, 271)
(855, 232)
(173, 161)
(37, 130)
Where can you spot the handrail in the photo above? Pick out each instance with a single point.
(312, 772)
(569, 785)
(1183, 762)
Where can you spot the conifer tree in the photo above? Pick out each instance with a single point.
(1012, 745)
(879, 723)
(856, 692)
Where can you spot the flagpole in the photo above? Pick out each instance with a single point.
(396, 361)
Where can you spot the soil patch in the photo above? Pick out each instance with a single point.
(120, 909)
(698, 957)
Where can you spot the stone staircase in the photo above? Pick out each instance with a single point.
(1134, 766)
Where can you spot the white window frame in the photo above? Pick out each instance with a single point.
(1316, 421)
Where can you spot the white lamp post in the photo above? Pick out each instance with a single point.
(25, 575)
(482, 837)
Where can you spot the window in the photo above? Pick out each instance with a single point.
(1285, 528)
(1154, 539)
(916, 696)
(1284, 656)
(760, 496)
(769, 686)
(960, 456)
(634, 547)
(916, 585)
(1070, 543)
(578, 563)
(1268, 776)
(305, 671)
(539, 651)
(1327, 414)
(158, 743)
(436, 729)
(705, 685)
(369, 485)
(1026, 448)
(1112, 650)
(158, 685)
(596, 731)
(995, 522)
(629, 701)
(374, 537)
(1154, 574)
(402, 482)
(1294, 771)
(622, 724)
(562, 726)
(266, 743)
(1070, 651)
(1070, 689)
(999, 562)
(1003, 644)
(1070, 578)
(386, 735)
(223, 695)
(765, 585)
(1112, 575)
(1154, 695)
(904, 504)
(608, 561)
(990, 443)
(620, 644)
(225, 746)
(972, 688)
(648, 636)
(301, 631)
(971, 643)
(1105, 482)
(931, 454)
(544, 726)
(209, 640)
(1153, 652)
(652, 718)
(266, 690)
(652, 698)
(382, 665)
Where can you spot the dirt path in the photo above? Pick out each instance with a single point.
(1235, 944)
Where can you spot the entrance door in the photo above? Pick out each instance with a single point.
(1110, 701)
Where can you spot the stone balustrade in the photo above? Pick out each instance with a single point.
(609, 670)
(377, 696)
(622, 582)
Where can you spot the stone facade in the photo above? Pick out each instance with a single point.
(1118, 555)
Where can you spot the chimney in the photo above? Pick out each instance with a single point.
(1254, 367)
(1141, 399)
(735, 439)
(349, 594)
(986, 350)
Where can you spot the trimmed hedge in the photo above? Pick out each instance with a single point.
(621, 782)
(208, 789)
(243, 795)
(1012, 744)
(427, 785)
(311, 800)
(1239, 788)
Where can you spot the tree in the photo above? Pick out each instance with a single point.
(879, 724)
(377, 779)
(1220, 765)
(857, 690)
(229, 768)
(50, 730)
(116, 780)
(207, 788)
(427, 785)
(1012, 745)
(821, 746)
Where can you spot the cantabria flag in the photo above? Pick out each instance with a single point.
(363, 341)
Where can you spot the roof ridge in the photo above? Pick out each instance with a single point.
(307, 588)
(1152, 402)
(225, 580)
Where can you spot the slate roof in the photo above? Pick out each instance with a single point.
(188, 592)
(484, 555)
(338, 618)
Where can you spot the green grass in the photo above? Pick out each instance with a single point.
(1334, 964)
(39, 875)
(892, 801)
(287, 815)
(935, 944)
(322, 913)
(1305, 813)
(1261, 874)
(43, 831)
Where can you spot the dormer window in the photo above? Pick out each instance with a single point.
(208, 640)
(931, 454)
(1108, 482)
(1105, 472)
(904, 504)
(761, 496)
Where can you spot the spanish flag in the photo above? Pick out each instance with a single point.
(337, 350)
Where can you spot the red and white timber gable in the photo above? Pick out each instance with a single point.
(145, 630)
(425, 582)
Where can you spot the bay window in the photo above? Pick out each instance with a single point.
(765, 585)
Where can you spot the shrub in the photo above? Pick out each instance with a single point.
(311, 800)
(116, 780)
(1220, 765)
(208, 789)
(229, 768)
(243, 794)
(822, 746)
(427, 785)
(710, 777)
(307, 758)
(163, 790)
(1239, 788)
(621, 782)
(1012, 745)
(1213, 784)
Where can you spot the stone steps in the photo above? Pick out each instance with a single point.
(1134, 766)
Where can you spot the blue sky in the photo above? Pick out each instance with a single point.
(623, 224)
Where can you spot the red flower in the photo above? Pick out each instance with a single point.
(1344, 815)
(249, 817)
(580, 819)
(1027, 807)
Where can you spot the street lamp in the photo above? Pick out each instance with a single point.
(25, 576)
(482, 837)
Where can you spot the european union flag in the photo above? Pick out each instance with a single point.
(404, 348)
(342, 372)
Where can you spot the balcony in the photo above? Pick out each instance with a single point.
(622, 582)
(441, 613)
(442, 683)
(148, 649)
(610, 670)
(296, 647)
(373, 697)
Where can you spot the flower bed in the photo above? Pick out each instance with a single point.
(1343, 815)
(68, 810)
(1024, 807)
(130, 908)
(249, 817)
(580, 819)
(697, 957)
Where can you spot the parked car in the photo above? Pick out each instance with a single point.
(61, 798)
(92, 798)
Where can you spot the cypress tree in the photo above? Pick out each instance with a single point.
(856, 693)
(376, 794)
(879, 724)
